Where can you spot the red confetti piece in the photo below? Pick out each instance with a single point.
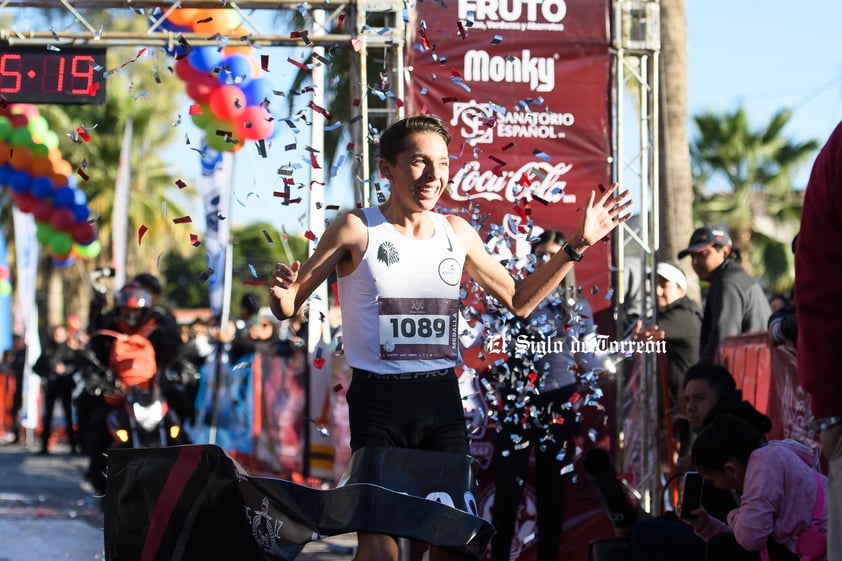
(425, 44)
(141, 232)
(254, 282)
(182, 220)
(455, 72)
(495, 159)
(181, 184)
(195, 109)
(194, 240)
(449, 99)
(206, 20)
(338, 387)
(357, 44)
(321, 110)
(314, 162)
(294, 62)
(319, 362)
(339, 21)
(332, 207)
(310, 235)
(509, 145)
(82, 174)
(264, 63)
(461, 29)
(83, 134)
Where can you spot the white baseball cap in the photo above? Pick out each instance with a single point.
(670, 272)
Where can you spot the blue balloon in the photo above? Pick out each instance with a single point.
(42, 188)
(235, 69)
(79, 197)
(5, 171)
(63, 197)
(257, 90)
(81, 212)
(20, 181)
(63, 263)
(204, 59)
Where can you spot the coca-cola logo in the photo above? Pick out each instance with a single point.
(540, 179)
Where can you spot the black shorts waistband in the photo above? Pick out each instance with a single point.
(360, 374)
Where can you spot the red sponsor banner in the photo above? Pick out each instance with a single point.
(524, 88)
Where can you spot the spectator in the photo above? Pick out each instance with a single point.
(548, 426)
(56, 366)
(679, 324)
(779, 492)
(709, 391)
(818, 297)
(14, 363)
(735, 303)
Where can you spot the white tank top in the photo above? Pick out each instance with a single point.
(401, 304)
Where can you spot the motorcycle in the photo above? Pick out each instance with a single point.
(141, 418)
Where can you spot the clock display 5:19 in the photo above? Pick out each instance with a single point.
(38, 75)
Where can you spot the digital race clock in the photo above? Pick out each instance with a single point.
(39, 75)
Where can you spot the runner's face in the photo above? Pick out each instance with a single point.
(420, 173)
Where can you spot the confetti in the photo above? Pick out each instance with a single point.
(181, 184)
(182, 220)
(194, 240)
(497, 39)
(141, 232)
(206, 275)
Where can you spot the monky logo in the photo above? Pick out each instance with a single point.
(538, 72)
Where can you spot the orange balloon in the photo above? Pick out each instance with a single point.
(42, 167)
(184, 17)
(5, 153)
(62, 167)
(59, 180)
(21, 158)
(213, 20)
(54, 155)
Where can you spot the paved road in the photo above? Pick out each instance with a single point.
(48, 511)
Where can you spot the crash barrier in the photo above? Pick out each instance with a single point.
(767, 375)
(7, 393)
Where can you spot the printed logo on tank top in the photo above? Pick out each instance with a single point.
(387, 254)
(450, 271)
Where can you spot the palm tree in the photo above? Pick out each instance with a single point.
(754, 197)
(676, 193)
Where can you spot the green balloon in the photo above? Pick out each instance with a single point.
(37, 125)
(5, 288)
(50, 139)
(61, 243)
(216, 141)
(39, 150)
(5, 128)
(88, 251)
(20, 137)
(43, 232)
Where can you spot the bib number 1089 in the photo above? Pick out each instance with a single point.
(408, 327)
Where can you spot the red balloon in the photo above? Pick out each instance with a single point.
(83, 233)
(255, 123)
(62, 219)
(184, 70)
(18, 120)
(42, 210)
(200, 87)
(23, 201)
(227, 102)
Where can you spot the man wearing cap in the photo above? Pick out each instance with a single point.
(735, 302)
(679, 324)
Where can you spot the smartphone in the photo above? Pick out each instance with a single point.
(691, 499)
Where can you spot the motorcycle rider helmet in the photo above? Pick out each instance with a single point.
(149, 282)
(132, 305)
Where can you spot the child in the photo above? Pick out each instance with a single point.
(779, 488)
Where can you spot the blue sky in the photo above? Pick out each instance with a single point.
(766, 55)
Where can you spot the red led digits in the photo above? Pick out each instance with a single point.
(69, 76)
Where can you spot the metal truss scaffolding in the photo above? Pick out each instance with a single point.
(635, 34)
(377, 37)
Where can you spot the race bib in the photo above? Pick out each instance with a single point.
(418, 328)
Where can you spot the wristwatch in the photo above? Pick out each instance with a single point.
(825, 423)
(574, 255)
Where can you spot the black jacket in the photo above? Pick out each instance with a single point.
(681, 323)
(735, 304)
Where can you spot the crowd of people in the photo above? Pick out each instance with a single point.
(399, 268)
